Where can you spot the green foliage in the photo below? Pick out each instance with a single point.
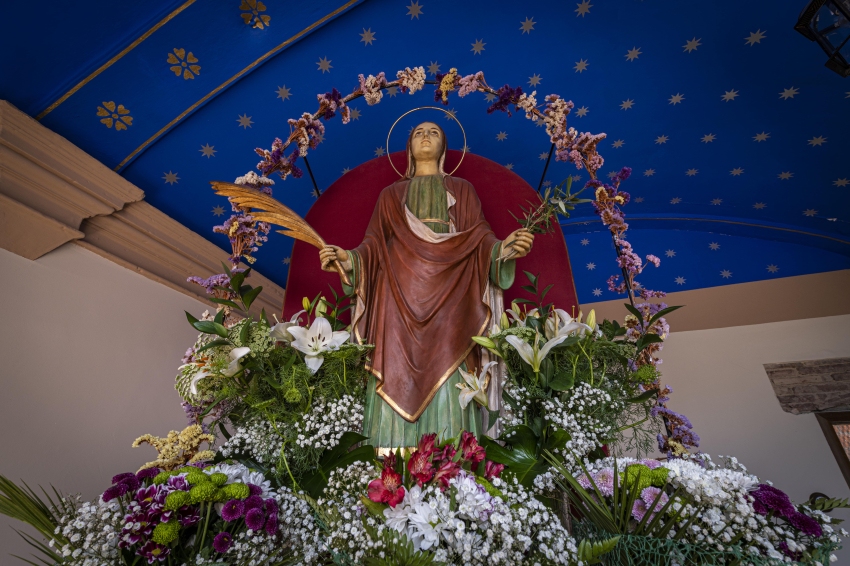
(522, 451)
(589, 551)
(398, 550)
(23, 504)
(342, 455)
(827, 504)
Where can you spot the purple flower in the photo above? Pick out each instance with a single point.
(604, 480)
(153, 552)
(232, 510)
(114, 491)
(639, 509)
(119, 477)
(255, 519)
(222, 542)
(584, 481)
(254, 502)
(178, 483)
(255, 489)
(783, 546)
(650, 463)
(507, 96)
(188, 515)
(805, 524)
(271, 525)
(767, 498)
(147, 473)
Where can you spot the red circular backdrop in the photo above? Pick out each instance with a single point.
(343, 211)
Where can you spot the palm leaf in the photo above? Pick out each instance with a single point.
(274, 212)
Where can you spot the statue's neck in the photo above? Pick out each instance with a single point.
(425, 168)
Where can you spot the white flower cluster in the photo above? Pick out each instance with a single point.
(326, 422)
(93, 530)
(257, 439)
(462, 525)
(528, 103)
(298, 537)
(251, 178)
(577, 417)
(413, 79)
(371, 87)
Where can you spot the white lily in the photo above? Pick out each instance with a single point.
(280, 331)
(476, 386)
(531, 354)
(236, 354)
(198, 377)
(562, 324)
(316, 340)
(518, 316)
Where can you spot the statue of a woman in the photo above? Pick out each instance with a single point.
(427, 277)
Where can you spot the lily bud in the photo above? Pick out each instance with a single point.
(504, 322)
(321, 307)
(591, 319)
(305, 304)
(484, 341)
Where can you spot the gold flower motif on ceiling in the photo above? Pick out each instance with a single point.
(251, 13)
(113, 115)
(184, 64)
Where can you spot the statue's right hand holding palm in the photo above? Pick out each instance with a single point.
(329, 254)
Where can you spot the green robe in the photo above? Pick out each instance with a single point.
(427, 200)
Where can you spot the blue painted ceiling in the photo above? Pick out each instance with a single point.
(736, 132)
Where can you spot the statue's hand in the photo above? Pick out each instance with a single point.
(329, 254)
(518, 244)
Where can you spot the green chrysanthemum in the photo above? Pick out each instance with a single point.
(292, 396)
(162, 477)
(236, 491)
(197, 477)
(638, 476)
(176, 500)
(219, 479)
(206, 491)
(165, 533)
(658, 476)
(645, 374)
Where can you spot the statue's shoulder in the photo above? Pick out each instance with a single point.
(458, 185)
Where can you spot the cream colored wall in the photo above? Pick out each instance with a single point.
(88, 353)
(718, 381)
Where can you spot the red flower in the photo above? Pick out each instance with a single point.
(444, 454)
(426, 444)
(492, 470)
(471, 450)
(446, 472)
(420, 466)
(387, 489)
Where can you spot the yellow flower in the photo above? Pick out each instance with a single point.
(251, 13)
(112, 115)
(182, 63)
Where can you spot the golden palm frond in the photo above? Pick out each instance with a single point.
(274, 212)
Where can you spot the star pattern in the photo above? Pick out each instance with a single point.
(218, 211)
(591, 266)
(355, 114)
(582, 112)
(717, 201)
(649, 173)
(785, 175)
(755, 37)
(714, 246)
(527, 26)
(433, 68)
(761, 137)
(618, 143)
(581, 66)
(633, 53)
(392, 91)
(379, 151)
(789, 93)
(534, 80)
(478, 46)
(638, 199)
(670, 253)
(287, 260)
(691, 172)
(729, 95)
(585, 241)
(627, 104)
(244, 121)
(692, 45)
(208, 150)
(737, 171)
(675, 200)
(680, 280)
(810, 212)
(367, 37)
(708, 138)
(661, 139)
(676, 98)
(583, 8)
(414, 10)
(817, 140)
(759, 206)
(509, 166)
(772, 268)
(502, 136)
(543, 156)
(841, 182)
(283, 92)
(171, 178)
(346, 170)
(324, 65)
(597, 292)
(725, 274)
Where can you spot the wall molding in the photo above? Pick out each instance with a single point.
(52, 193)
(757, 302)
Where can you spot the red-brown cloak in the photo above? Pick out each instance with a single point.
(421, 302)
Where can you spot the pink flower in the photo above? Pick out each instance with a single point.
(446, 472)
(420, 467)
(388, 488)
(426, 444)
(492, 470)
(471, 450)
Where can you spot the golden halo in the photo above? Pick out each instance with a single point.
(451, 114)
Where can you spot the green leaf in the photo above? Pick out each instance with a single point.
(562, 381)
(529, 288)
(245, 332)
(374, 509)
(236, 281)
(557, 439)
(226, 269)
(192, 320)
(590, 551)
(521, 459)
(646, 340)
(531, 278)
(219, 317)
(213, 344)
(226, 302)
(661, 313)
(546, 290)
(209, 327)
(634, 311)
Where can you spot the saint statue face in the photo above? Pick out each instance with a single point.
(427, 142)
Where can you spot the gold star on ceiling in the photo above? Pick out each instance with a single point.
(612, 174)
(759, 206)
(218, 211)
(283, 92)
(755, 37)
(582, 112)
(324, 65)
(761, 137)
(527, 26)
(789, 93)
(245, 121)
(534, 80)
(627, 104)
(502, 136)
(841, 182)
(675, 200)
(208, 150)
(649, 173)
(171, 178)
(183, 63)
(543, 156)
(346, 170)
(414, 10)
(785, 175)
(618, 143)
(708, 138)
(490, 97)
(433, 68)
(691, 172)
(355, 114)
(509, 166)
(714, 246)
(692, 44)
(661, 139)
(729, 95)
(633, 53)
(726, 274)
(736, 171)
(286, 260)
(451, 114)
(379, 151)
(676, 99)
(639, 199)
(478, 46)
(367, 37)
(581, 65)
(716, 201)
(583, 8)
(392, 91)
(810, 212)
(817, 140)
(772, 268)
